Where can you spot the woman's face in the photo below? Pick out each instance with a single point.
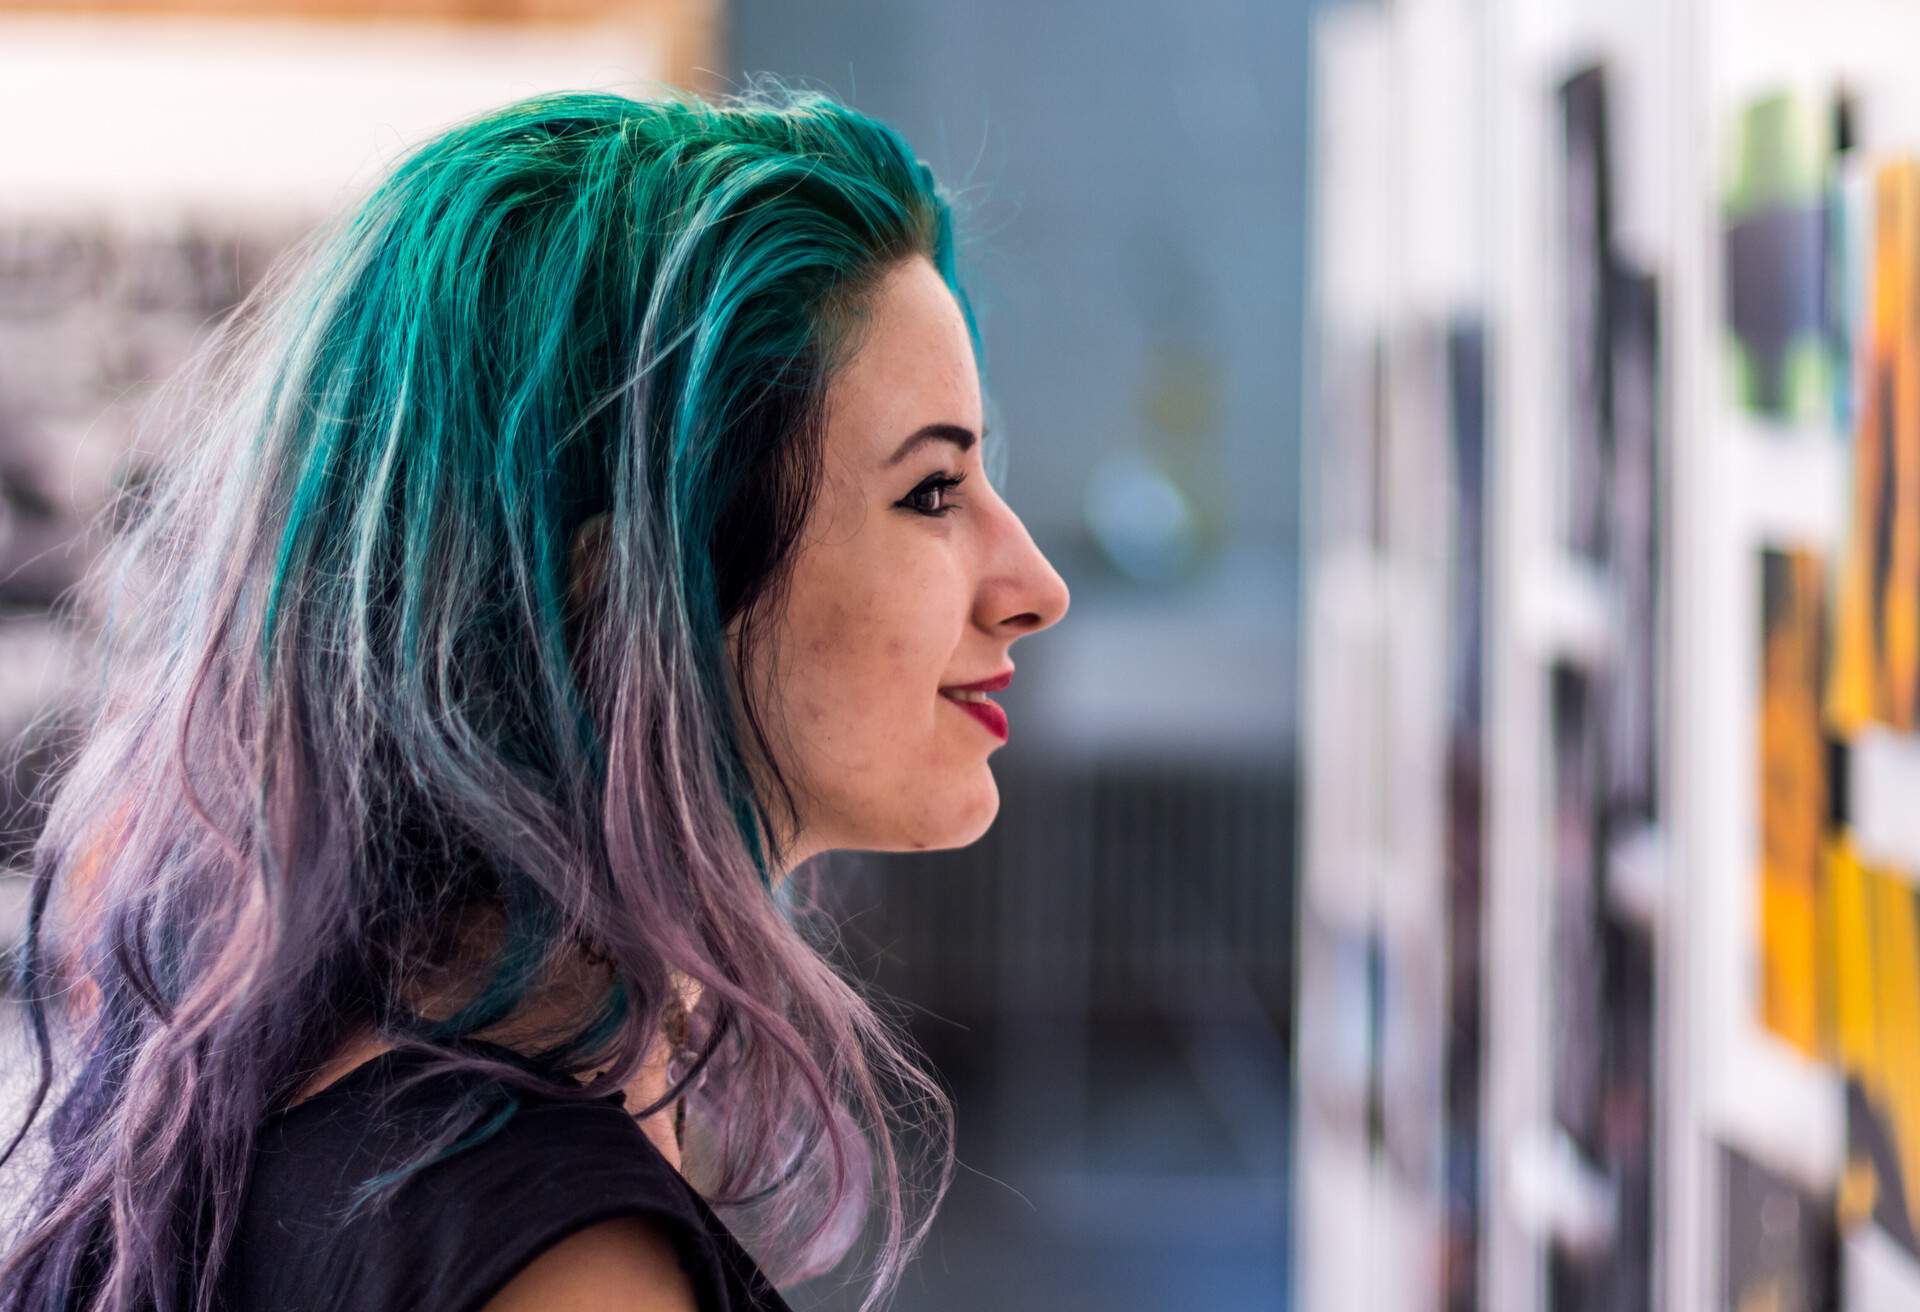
(900, 589)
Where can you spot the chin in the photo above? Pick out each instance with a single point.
(960, 827)
(979, 819)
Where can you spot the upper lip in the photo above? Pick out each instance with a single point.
(995, 684)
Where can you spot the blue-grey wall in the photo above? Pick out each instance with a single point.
(1133, 176)
(1136, 172)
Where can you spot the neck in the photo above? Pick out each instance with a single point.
(648, 1087)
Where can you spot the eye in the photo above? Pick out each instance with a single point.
(916, 500)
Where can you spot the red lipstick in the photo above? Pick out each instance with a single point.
(987, 712)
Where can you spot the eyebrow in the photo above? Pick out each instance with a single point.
(961, 437)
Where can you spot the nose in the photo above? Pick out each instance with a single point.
(1025, 593)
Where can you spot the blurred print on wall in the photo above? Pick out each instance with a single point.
(1636, 555)
(1876, 655)
(1587, 259)
(1604, 706)
(1775, 210)
(1465, 881)
(1793, 797)
(1578, 962)
(1877, 940)
(1780, 1246)
(94, 311)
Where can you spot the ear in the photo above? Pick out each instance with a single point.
(587, 562)
(586, 589)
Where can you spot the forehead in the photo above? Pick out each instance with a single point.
(915, 366)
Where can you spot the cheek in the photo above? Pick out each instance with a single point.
(866, 644)
(857, 668)
(884, 639)
(887, 763)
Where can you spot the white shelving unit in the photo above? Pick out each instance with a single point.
(1549, 607)
(1398, 257)
(1465, 99)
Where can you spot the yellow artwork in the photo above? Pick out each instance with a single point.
(1876, 919)
(1793, 797)
(1875, 675)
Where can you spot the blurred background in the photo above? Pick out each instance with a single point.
(1460, 851)
(1104, 982)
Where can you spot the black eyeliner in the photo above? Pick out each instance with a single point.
(933, 482)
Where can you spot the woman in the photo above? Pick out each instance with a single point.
(593, 528)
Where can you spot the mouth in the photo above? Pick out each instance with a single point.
(981, 708)
(972, 698)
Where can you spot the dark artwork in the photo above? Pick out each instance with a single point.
(1578, 1279)
(1627, 1103)
(1466, 840)
(1587, 237)
(1632, 777)
(1578, 961)
(1637, 551)
(1606, 796)
(92, 318)
(1781, 1250)
(1605, 718)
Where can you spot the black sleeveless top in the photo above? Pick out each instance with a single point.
(454, 1233)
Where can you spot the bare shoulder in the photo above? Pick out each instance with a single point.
(623, 1265)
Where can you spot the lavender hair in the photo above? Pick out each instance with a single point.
(346, 702)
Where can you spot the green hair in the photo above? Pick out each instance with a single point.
(350, 697)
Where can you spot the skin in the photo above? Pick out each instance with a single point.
(886, 604)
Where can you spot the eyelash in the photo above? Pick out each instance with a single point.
(937, 483)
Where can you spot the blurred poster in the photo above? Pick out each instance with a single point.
(1627, 1109)
(93, 315)
(1586, 251)
(1578, 961)
(1876, 927)
(1793, 796)
(1876, 639)
(1632, 781)
(1775, 252)
(1466, 830)
(1636, 550)
(1780, 1248)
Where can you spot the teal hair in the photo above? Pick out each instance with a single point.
(353, 698)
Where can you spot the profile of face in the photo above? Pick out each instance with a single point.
(900, 588)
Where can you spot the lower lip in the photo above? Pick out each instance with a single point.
(986, 712)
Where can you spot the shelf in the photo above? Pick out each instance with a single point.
(1779, 1107)
(1557, 1194)
(1885, 779)
(1878, 1274)
(1637, 876)
(1792, 481)
(1568, 611)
